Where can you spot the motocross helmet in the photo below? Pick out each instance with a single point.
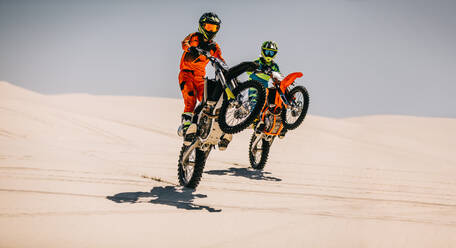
(209, 25)
(269, 50)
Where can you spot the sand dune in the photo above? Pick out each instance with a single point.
(100, 171)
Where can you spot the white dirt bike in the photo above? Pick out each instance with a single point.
(225, 109)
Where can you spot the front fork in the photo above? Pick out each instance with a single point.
(232, 100)
(225, 86)
(287, 103)
(282, 96)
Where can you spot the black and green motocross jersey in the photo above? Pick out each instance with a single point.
(261, 77)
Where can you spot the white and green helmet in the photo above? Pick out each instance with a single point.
(269, 50)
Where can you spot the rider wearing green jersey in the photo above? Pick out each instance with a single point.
(266, 63)
(269, 50)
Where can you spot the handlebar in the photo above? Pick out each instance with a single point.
(275, 76)
(204, 52)
(213, 59)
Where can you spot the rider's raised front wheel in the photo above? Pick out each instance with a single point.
(294, 114)
(258, 154)
(191, 170)
(239, 113)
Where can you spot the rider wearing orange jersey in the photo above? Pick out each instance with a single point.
(193, 68)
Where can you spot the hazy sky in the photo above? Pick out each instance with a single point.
(358, 57)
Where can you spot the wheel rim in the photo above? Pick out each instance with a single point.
(189, 166)
(293, 112)
(239, 110)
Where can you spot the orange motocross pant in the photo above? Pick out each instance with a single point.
(192, 87)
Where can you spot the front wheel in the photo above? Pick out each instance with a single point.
(295, 112)
(191, 170)
(238, 114)
(258, 154)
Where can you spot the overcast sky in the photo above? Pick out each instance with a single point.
(358, 57)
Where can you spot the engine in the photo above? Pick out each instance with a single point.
(272, 123)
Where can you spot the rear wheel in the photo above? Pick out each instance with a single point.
(238, 114)
(258, 154)
(294, 114)
(191, 170)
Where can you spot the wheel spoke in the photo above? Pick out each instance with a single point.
(258, 151)
(239, 112)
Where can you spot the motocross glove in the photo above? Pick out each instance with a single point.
(192, 50)
(211, 47)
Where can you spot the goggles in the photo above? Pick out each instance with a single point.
(269, 53)
(210, 27)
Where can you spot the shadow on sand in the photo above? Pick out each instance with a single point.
(169, 195)
(245, 172)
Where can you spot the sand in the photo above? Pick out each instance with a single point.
(80, 170)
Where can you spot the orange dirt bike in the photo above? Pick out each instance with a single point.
(285, 109)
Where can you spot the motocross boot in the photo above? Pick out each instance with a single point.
(186, 120)
(224, 141)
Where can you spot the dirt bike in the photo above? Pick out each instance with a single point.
(285, 108)
(225, 109)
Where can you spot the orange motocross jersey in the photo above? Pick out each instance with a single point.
(194, 62)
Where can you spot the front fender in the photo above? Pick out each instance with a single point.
(288, 80)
